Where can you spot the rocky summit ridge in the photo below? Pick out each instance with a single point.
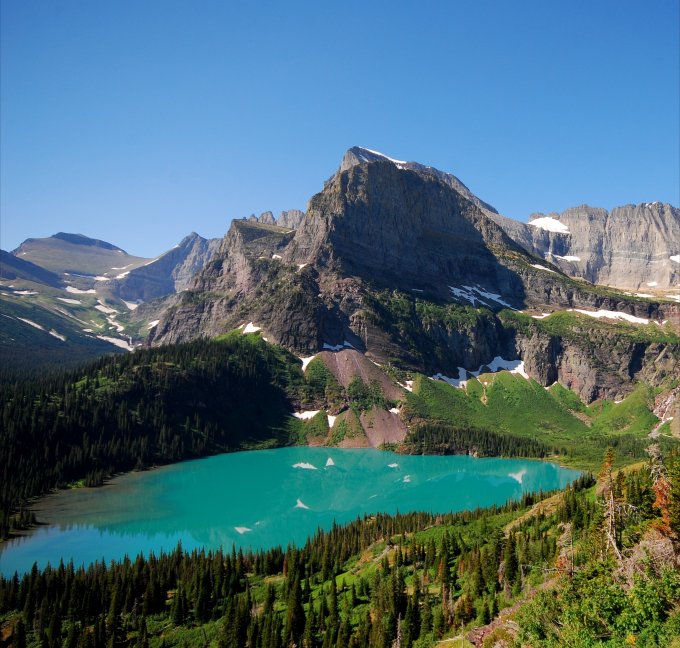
(402, 263)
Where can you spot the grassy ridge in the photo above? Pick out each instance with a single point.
(507, 404)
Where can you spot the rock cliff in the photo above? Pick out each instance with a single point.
(169, 273)
(400, 262)
(634, 247)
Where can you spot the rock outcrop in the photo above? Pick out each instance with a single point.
(399, 262)
(634, 247)
(169, 273)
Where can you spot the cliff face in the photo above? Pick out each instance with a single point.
(171, 272)
(634, 247)
(393, 260)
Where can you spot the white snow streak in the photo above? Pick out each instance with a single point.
(616, 315)
(250, 328)
(69, 301)
(540, 267)
(31, 323)
(306, 361)
(116, 342)
(308, 414)
(475, 294)
(77, 291)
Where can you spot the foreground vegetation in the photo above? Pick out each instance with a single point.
(589, 566)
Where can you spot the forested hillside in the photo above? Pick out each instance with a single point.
(147, 408)
(589, 566)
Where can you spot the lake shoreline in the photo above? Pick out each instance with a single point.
(34, 505)
(280, 496)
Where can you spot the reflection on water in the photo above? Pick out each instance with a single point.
(262, 499)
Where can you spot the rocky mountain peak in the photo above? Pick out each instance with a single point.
(358, 155)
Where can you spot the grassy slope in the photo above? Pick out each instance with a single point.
(506, 403)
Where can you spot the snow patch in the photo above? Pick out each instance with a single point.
(363, 158)
(276, 256)
(123, 268)
(301, 265)
(25, 292)
(77, 291)
(550, 225)
(330, 462)
(567, 258)
(306, 361)
(394, 410)
(100, 278)
(105, 309)
(242, 530)
(498, 363)
(541, 316)
(652, 284)
(116, 342)
(616, 315)
(676, 258)
(300, 504)
(540, 267)
(132, 305)
(153, 324)
(331, 420)
(474, 294)
(59, 336)
(31, 323)
(407, 479)
(122, 275)
(69, 301)
(393, 465)
(305, 466)
(250, 328)
(643, 295)
(307, 414)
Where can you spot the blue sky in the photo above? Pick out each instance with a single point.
(139, 122)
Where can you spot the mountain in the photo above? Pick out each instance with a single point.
(290, 219)
(392, 260)
(67, 298)
(12, 268)
(68, 254)
(169, 273)
(634, 247)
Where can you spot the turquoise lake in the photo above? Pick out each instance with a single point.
(262, 499)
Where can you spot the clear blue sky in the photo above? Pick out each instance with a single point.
(138, 122)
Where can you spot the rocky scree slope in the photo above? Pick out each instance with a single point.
(394, 261)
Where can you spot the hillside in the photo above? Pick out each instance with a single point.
(540, 572)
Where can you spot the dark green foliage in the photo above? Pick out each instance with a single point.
(440, 438)
(363, 397)
(151, 407)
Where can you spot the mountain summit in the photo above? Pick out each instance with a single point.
(395, 261)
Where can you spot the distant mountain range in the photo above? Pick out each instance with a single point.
(399, 261)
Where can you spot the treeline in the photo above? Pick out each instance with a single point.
(152, 407)
(442, 438)
(421, 586)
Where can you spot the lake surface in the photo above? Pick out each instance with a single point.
(262, 499)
